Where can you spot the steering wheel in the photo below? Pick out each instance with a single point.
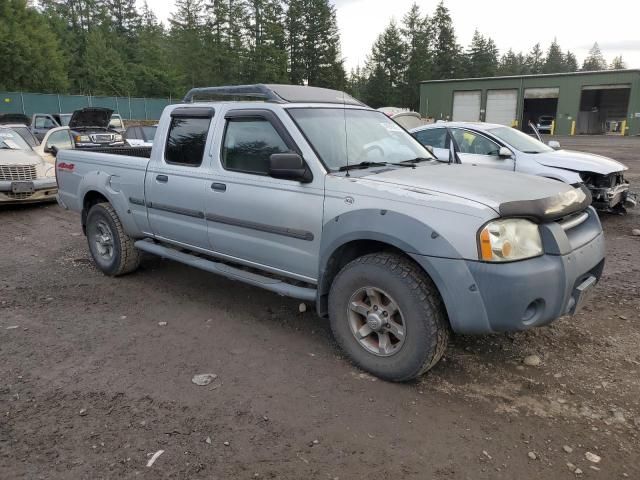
(370, 149)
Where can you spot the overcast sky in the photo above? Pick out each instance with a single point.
(518, 24)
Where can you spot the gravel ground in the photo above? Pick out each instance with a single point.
(94, 382)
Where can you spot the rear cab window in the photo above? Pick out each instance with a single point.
(187, 137)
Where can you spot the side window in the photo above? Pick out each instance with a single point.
(186, 140)
(60, 139)
(436, 137)
(469, 142)
(131, 133)
(44, 122)
(248, 144)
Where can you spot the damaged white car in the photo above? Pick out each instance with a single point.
(497, 146)
(24, 176)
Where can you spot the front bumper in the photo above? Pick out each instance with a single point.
(609, 198)
(45, 189)
(489, 297)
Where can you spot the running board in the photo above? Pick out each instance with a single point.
(272, 284)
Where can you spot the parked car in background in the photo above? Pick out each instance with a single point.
(116, 123)
(24, 176)
(20, 124)
(41, 123)
(313, 195)
(403, 116)
(545, 124)
(90, 128)
(56, 139)
(505, 148)
(140, 135)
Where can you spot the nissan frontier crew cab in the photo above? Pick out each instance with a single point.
(310, 194)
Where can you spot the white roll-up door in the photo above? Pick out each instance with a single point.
(466, 106)
(501, 106)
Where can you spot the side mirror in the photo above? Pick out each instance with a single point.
(289, 166)
(53, 150)
(504, 152)
(554, 144)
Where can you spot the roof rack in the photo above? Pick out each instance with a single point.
(276, 94)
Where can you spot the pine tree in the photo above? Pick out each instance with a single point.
(618, 63)
(388, 64)
(418, 37)
(481, 57)
(571, 62)
(446, 61)
(535, 60)
(267, 52)
(188, 51)
(512, 64)
(554, 62)
(595, 60)
(31, 57)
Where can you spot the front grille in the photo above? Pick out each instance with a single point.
(19, 196)
(18, 172)
(102, 138)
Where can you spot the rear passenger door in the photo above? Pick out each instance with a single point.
(176, 181)
(256, 219)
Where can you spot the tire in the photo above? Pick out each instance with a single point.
(111, 248)
(357, 290)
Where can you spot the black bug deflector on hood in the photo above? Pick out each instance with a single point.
(549, 209)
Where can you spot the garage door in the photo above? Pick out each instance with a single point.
(501, 106)
(466, 106)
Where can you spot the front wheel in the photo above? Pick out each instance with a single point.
(387, 315)
(111, 248)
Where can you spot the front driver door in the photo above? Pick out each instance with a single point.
(257, 219)
(476, 149)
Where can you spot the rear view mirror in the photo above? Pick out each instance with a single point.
(504, 152)
(554, 144)
(289, 166)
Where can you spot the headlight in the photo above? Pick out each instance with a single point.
(83, 139)
(117, 138)
(508, 240)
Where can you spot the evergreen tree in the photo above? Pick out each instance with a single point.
(188, 52)
(481, 57)
(512, 64)
(446, 59)
(417, 34)
(554, 62)
(535, 60)
(595, 60)
(618, 64)
(571, 62)
(31, 57)
(104, 72)
(267, 60)
(388, 62)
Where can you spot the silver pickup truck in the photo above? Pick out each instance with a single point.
(308, 193)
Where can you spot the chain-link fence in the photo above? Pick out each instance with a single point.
(130, 108)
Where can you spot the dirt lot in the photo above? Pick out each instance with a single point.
(92, 384)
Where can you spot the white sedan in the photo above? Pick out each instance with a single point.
(497, 146)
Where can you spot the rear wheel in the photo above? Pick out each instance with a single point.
(387, 315)
(111, 248)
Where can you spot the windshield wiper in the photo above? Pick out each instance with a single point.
(362, 165)
(417, 160)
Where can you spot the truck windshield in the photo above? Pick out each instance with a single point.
(519, 141)
(10, 140)
(341, 135)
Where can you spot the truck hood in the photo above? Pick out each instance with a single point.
(506, 192)
(579, 162)
(19, 157)
(91, 117)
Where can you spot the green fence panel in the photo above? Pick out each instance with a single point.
(69, 103)
(11, 102)
(129, 108)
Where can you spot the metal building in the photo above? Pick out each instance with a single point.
(606, 102)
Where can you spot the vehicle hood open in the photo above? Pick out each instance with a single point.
(14, 118)
(579, 162)
(508, 193)
(90, 117)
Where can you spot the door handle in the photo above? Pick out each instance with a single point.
(162, 178)
(218, 187)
